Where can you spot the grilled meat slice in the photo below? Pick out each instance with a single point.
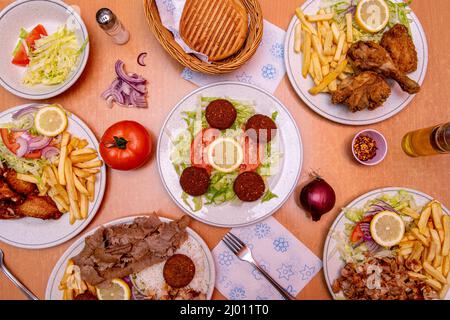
(18, 185)
(367, 90)
(401, 48)
(370, 56)
(38, 207)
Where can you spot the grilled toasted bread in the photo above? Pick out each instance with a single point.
(216, 28)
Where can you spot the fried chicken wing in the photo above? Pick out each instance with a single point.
(38, 207)
(18, 185)
(400, 46)
(367, 90)
(7, 211)
(370, 56)
(6, 193)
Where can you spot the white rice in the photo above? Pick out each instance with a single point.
(151, 280)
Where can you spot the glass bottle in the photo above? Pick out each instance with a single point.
(429, 141)
(112, 26)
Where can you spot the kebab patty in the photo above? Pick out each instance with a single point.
(261, 128)
(195, 181)
(179, 270)
(220, 114)
(249, 186)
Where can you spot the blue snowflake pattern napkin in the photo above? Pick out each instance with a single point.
(265, 69)
(277, 251)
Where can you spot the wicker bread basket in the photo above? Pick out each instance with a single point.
(250, 46)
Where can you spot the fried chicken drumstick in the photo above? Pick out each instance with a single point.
(370, 56)
(367, 90)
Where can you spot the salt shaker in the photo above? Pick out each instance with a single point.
(112, 26)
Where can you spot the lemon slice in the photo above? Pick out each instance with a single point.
(225, 155)
(50, 121)
(387, 228)
(372, 15)
(117, 290)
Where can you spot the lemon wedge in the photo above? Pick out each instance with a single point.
(225, 155)
(372, 15)
(117, 290)
(50, 121)
(387, 228)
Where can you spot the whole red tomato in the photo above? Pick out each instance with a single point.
(126, 145)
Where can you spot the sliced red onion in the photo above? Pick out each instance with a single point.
(38, 143)
(50, 152)
(127, 90)
(19, 114)
(372, 246)
(23, 147)
(140, 59)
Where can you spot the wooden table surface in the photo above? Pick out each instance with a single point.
(326, 144)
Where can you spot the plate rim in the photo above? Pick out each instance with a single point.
(85, 223)
(64, 256)
(75, 74)
(341, 215)
(333, 118)
(253, 87)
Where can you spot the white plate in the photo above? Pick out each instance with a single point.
(321, 103)
(52, 14)
(31, 233)
(53, 293)
(332, 263)
(230, 215)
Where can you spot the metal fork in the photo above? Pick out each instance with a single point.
(241, 250)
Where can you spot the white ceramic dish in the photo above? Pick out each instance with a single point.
(282, 183)
(33, 233)
(27, 14)
(332, 263)
(321, 103)
(53, 293)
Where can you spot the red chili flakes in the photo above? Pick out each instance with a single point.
(365, 148)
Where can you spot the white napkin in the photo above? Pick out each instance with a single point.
(282, 255)
(170, 12)
(265, 69)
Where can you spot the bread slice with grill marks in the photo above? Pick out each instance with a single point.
(216, 28)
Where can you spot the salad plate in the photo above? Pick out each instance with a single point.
(220, 206)
(202, 253)
(339, 248)
(26, 15)
(322, 103)
(32, 233)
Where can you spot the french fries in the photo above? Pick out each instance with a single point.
(427, 245)
(349, 22)
(324, 47)
(70, 182)
(298, 38)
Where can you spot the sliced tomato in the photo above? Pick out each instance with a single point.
(9, 140)
(252, 155)
(21, 58)
(367, 219)
(204, 138)
(357, 234)
(35, 34)
(34, 155)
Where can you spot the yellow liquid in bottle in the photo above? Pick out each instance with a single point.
(420, 143)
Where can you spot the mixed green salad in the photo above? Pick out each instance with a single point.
(221, 186)
(355, 241)
(398, 13)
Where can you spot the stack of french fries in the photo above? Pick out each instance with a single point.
(324, 49)
(71, 283)
(425, 248)
(70, 180)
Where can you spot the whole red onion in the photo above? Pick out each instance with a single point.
(318, 198)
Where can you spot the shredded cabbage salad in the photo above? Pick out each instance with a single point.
(221, 186)
(398, 14)
(54, 58)
(351, 253)
(21, 165)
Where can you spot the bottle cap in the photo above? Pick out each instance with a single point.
(106, 18)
